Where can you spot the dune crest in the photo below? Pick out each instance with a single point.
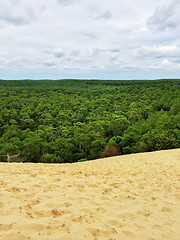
(126, 197)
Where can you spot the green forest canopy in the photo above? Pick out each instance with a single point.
(70, 120)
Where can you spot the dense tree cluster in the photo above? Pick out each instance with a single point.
(71, 120)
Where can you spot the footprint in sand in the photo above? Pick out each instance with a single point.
(128, 234)
(52, 213)
(78, 219)
(166, 209)
(157, 226)
(1, 205)
(104, 198)
(42, 214)
(14, 236)
(5, 227)
(101, 210)
(66, 204)
(6, 212)
(144, 213)
(127, 216)
(26, 207)
(113, 222)
(58, 213)
(98, 233)
(139, 227)
(85, 210)
(33, 227)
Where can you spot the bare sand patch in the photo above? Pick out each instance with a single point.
(125, 197)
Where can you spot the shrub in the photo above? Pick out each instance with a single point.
(143, 147)
(110, 151)
(82, 160)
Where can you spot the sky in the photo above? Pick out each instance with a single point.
(89, 39)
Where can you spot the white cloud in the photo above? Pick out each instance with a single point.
(84, 38)
(19, 12)
(106, 15)
(166, 17)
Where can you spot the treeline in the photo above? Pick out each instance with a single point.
(70, 120)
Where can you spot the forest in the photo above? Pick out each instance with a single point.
(60, 121)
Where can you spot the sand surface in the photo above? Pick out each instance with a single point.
(128, 197)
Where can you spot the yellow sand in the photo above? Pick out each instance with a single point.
(128, 197)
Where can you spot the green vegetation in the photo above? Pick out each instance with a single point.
(72, 120)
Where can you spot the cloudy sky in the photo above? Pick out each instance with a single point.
(89, 39)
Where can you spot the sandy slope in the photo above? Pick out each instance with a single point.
(127, 197)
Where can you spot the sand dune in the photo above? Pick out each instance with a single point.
(127, 197)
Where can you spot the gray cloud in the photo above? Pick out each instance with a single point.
(16, 19)
(166, 17)
(105, 15)
(59, 53)
(50, 63)
(115, 50)
(18, 12)
(163, 56)
(91, 35)
(65, 2)
(177, 60)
